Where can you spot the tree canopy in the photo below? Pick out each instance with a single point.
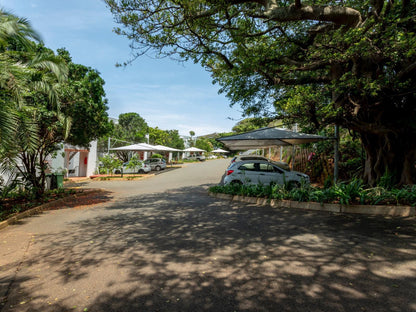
(45, 100)
(131, 127)
(317, 63)
(249, 124)
(83, 100)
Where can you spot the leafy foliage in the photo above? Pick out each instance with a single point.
(131, 127)
(39, 102)
(249, 124)
(83, 100)
(204, 143)
(110, 162)
(350, 63)
(343, 193)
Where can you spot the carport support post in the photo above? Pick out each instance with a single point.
(293, 156)
(336, 153)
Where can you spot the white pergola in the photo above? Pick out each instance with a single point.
(220, 150)
(144, 147)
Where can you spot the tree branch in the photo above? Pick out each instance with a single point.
(335, 14)
(407, 71)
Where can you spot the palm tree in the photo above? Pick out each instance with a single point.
(15, 33)
(30, 73)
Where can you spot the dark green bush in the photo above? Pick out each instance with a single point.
(345, 193)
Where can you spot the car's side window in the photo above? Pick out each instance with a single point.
(248, 167)
(276, 169)
(266, 167)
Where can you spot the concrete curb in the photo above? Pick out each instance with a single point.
(39, 209)
(385, 210)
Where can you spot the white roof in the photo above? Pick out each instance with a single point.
(219, 150)
(193, 149)
(135, 147)
(166, 148)
(146, 147)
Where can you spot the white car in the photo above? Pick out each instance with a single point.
(196, 157)
(280, 164)
(156, 164)
(141, 168)
(262, 172)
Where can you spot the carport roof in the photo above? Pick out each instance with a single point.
(267, 137)
(135, 147)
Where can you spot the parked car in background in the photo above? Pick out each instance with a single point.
(141, 167)
(262, 172)
(195, 157)
(156, 164)
(280, 164)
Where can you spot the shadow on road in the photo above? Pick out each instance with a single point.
(186, 251)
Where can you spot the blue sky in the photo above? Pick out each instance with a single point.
(165, 93)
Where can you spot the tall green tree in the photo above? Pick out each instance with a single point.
(131, 127)
(318, 63)
(83, 100)
(42, 109)
(174, 140)
(30, 75)
(158, 136)
(204, 143)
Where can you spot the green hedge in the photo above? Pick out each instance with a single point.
(353, 192)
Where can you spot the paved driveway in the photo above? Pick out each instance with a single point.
(162, 244)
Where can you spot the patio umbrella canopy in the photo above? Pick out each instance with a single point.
(219, 150)
(135, 147)
(267, 137)
(193, 149)
(163, 148)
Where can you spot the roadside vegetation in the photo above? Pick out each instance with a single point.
(19, 200)
(45, 100)
(347, 193)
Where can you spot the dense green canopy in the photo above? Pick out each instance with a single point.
(318, 63)
(45, 100)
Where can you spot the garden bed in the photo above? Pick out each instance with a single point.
(350, 197)
(13, 209)
(386, 210)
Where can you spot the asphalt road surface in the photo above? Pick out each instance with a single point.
(163, 244)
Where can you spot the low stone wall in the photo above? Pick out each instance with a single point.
(386, 210)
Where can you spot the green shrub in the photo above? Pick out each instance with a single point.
(346, 193)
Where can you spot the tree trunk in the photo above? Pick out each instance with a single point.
(390, 155)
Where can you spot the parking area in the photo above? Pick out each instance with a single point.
(163, 244)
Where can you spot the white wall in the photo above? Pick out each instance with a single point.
(92, 159)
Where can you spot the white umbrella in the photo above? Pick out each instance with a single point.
(135, 147)
(219, 150)
(166, 148)
(193, 149)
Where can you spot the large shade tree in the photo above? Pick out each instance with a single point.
(131, 127)
(318, 63)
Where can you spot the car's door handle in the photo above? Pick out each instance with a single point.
(261, 174)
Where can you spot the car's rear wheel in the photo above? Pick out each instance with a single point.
(157, 168)
(117, 171)
(141, 171)
(236, 182)
(293, 184)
